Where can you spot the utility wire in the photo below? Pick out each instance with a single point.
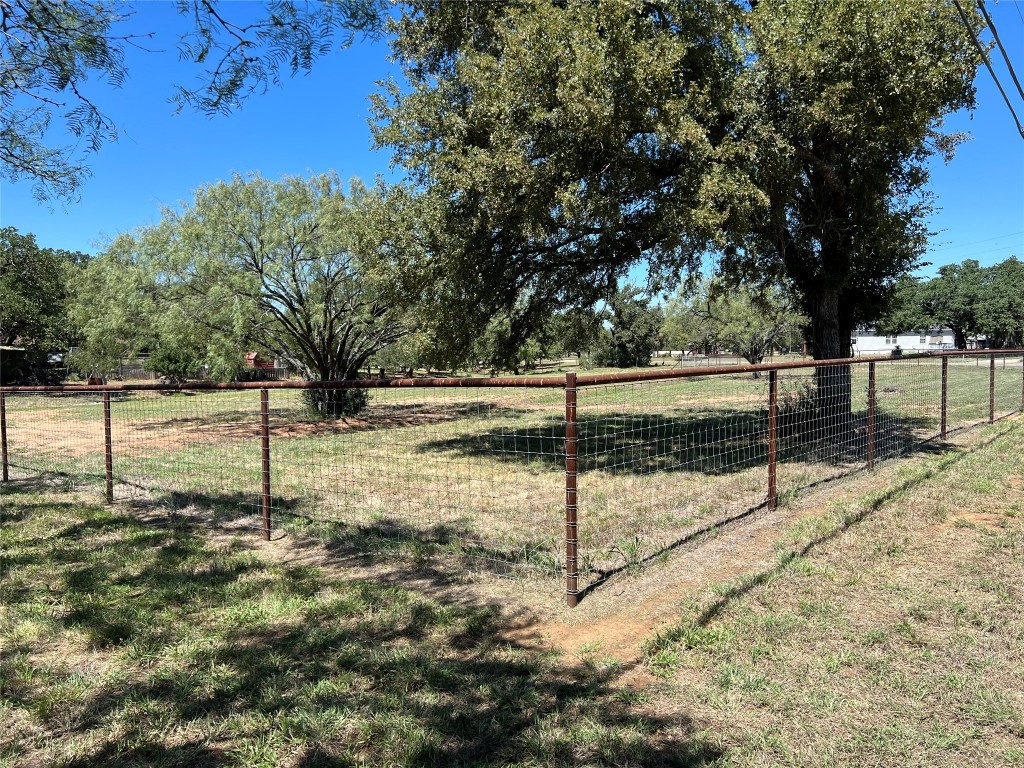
(1002, 50)
(950, 246)
(988, 64)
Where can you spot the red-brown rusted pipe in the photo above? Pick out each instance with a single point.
(992, 388)
(3, 436)
(871, 415)
(944, 398)
(773, 435)
(571, 508)
(108, 449)
(265, 452)
(548, 382)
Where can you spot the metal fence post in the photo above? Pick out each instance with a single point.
(3, 435)
(108, 448)
(571, 509)
(265, 446)
(871, 415)
(944, 398)
(1022, 384)
(992, 388)
(773, 438)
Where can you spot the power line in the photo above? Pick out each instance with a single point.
(999, 43)
(951, 246)
(988, 64)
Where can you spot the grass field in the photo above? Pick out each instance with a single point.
(886, 630)
(480, 472)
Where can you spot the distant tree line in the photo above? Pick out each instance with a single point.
(969, 299)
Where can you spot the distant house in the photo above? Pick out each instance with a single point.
(252, 360)
(866, 341)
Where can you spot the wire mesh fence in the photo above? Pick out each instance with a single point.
(582, 478)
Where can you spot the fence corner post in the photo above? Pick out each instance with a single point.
(992, 388)
(871, 415)
(571, 509)
(3, 436)
(944, 398)
(773, 438)
(265, 452)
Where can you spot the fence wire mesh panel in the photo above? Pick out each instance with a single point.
(56, 436)
(188, 448)
(659, 460)
(1008, 384)
(478, 472)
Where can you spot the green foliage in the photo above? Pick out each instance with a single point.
(751, 321)
(633, 332)
(286, 267)
(335, 403)
(846, 101)
(1001, 309)
(50, 48)
(174, 362)
(558, 146)
(34, 286)
(969, 299)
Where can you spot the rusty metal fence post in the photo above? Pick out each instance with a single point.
(265, 452)
(3, 435)
(108, 449)
(944, 398)
(773, 438)
(992, 388)
(571, 509)
(871, 415)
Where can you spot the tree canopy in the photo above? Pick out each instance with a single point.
(559, 145)
(967, 298)
(287, 267)
(716, 315)
(51, 48)
(34, 288)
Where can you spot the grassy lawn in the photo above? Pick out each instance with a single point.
(129, 644)
(889, 631)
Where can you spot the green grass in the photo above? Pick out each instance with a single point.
(131, 645)
(889, 632)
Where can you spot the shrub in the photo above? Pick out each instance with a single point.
(335, 403)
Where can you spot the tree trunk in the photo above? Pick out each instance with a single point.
(960, 338)
(833, 385)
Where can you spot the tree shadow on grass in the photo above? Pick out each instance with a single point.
(718, 442)
(225, 658)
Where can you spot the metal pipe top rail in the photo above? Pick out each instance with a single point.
(536, 382)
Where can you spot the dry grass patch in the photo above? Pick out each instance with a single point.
(889, 632)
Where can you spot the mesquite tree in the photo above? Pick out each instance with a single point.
(287, 267)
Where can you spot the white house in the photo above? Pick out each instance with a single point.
(865, 341)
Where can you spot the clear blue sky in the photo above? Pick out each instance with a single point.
(318, 122)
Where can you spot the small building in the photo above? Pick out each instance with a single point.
(867, 342)
(252, 360)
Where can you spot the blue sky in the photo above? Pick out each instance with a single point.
(319, 122)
